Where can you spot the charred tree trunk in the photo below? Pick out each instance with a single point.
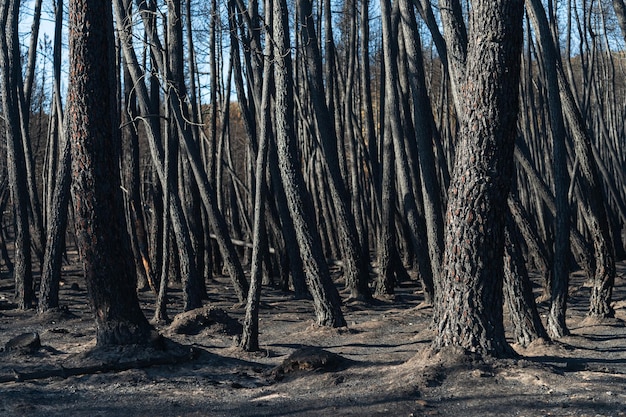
(325, 295)
(560, 275)
(518, 292)
(470, 316)
(250, 335)
(355, 264)
(92, 130)
(10, 80)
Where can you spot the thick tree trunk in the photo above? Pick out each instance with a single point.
(470, 315)
(98, 206)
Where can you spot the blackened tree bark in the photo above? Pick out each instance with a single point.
(560, 275)
(325, 295)
(422, 116)
(365, 77)
(192, 285)
(101, 236)
(470, 316)
(132, 181)
(518, 293)
(356, 266)
(55, 236)
(386, 248)
(250, 334)
(10, 80)
(57, 212)
(32, 53)
(404, 178)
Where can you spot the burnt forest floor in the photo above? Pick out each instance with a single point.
(379, 365)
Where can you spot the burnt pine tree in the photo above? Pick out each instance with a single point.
(470, 314)
(10, 87)
(326, 298)
(103, 243)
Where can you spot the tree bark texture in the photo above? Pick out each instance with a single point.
(101, 236)
(470, 315)
(518, 292)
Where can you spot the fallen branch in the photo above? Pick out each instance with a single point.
(98, 368)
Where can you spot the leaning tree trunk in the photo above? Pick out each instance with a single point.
(422, 116)
(470, 316)
(57, 218)
(560, 276)
(250, 335)
(101, 235)
(356, 268)
(16, 164)
(325, 295)
(595, 213)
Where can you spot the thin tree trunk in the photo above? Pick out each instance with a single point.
(10, 80)
(207, 192)
(422, 116)
(392, 112)
(325, 295)
(355, 265)
(560, 275)
(250, 336)
(179, 226)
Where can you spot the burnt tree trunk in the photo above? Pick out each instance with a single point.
(560, 276)
(518, 293)
(356, 268)
(470, 314)
(10, 77)
(103, 243)
(325, 296)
